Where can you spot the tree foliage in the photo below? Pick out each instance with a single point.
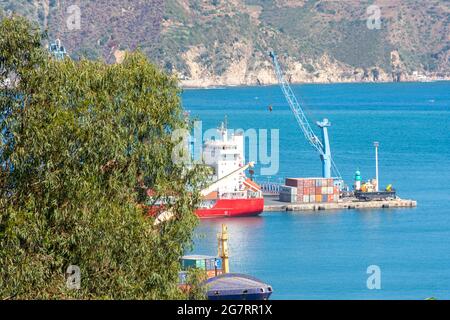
(81, 142)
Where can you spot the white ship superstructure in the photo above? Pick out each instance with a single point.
(225, 155)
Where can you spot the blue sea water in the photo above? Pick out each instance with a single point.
(326, 255)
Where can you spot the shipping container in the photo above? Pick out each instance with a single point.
(200, 262)
(213, 273)
(291, 198)
(212, 264)
(318, 198)
(291, 182)
(288, 190)
(193, 263)
(306, 190)
(294, 182)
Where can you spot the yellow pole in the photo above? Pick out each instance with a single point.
(223, 248)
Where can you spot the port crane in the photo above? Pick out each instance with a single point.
(321, 146)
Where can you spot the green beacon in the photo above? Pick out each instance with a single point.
(357, 180)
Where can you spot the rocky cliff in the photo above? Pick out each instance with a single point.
(218, 42)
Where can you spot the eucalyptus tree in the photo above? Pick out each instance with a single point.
(82, 142)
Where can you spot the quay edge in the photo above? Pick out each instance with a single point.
(384, 204)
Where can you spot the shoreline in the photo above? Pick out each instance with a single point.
(225, 86)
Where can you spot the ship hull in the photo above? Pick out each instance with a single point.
(232, 208)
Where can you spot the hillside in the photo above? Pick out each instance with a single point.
(218, 42)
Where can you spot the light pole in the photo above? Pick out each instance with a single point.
(376, 144)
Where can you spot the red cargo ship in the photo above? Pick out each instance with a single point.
(214, 207)
(232, 208)
(231, 194)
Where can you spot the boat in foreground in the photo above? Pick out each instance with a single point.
(218, 282)
(235, 286)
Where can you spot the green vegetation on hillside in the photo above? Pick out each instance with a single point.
(303, 30)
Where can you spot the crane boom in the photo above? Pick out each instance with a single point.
(295, 107)
(322, 147)
(221, 181)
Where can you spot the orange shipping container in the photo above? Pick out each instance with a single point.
(212, 273)
(319, 198)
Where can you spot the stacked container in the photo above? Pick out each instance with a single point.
(288, 194)
(314, 190)
(212, 265)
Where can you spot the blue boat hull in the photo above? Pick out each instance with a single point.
(256, 296)
(234, 286)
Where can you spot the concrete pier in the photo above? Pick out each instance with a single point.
(272, 204)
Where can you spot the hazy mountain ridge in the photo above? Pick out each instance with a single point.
(217, 42)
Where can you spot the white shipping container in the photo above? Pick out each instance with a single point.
(288, 190)
(288, 198)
